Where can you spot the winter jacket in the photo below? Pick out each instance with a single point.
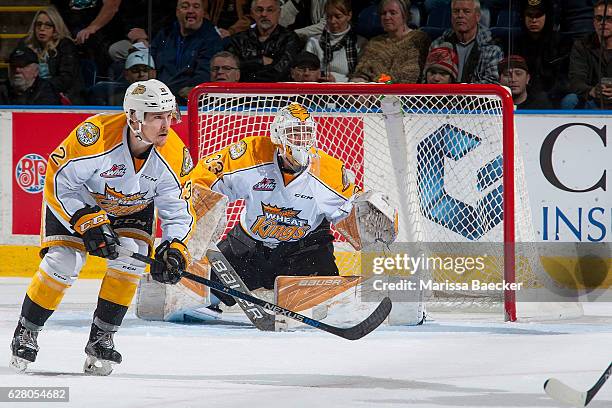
(584, 66)
(185, 61)
(282, 46)
(40, 93)
(481, 65)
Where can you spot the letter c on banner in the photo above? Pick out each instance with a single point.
(546, 162)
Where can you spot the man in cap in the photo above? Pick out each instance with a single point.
(515, 75)
(25, 86)
(306, 67)
(441, 65)
(139, 66)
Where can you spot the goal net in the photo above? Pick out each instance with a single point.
(445, 156)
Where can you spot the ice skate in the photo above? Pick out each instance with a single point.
(24, 347)
(101, 353)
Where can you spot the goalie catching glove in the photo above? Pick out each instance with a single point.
(173, 258)
(373, 219)
(98, 236)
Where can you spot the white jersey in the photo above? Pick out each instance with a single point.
(94, 166)
(278, 207)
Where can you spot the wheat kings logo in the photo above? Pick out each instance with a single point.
(280, 223)
(118, 204)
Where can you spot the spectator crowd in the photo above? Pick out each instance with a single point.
(551, 54)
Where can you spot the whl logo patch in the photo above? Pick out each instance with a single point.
(266, 184)
(117, 170)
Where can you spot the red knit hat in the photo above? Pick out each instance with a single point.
(443, 57)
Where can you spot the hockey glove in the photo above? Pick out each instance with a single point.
(172, 258)
(98, 236)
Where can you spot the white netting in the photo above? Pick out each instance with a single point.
(439, 157)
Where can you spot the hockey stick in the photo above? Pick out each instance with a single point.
(564, 393)
(227, 274)
(349, 333)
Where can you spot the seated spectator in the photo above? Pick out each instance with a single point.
(589, 75)
(229, 16)
(183, 51)
(94, 25)
(134, 21)
(58, 62)
(139, 66)
(399, 53)
(478, 55)
(514, 73)
(25, 86)
(338, 47)
(305, 17)
(441, 65)
(224, 67)
(546, 53)
(266, 50)
(306, 67)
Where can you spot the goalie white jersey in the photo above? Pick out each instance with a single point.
(93, 165)
(278, 207)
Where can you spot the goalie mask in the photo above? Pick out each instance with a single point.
(295, 132)
(148, 96)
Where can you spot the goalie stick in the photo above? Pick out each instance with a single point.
(350, 333)
(226, 273)
(564, 393)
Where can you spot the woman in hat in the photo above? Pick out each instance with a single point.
(441, 65)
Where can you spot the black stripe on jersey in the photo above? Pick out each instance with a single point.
(239, 170)
(327, 187)
(76, 160)
(180, 190)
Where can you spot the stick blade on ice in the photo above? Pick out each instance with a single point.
(562, 393)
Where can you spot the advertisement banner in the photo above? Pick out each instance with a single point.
(567, 164)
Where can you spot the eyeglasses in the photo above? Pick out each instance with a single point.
(599, 18)
(40, 24)
(225, 68)
(138, 69)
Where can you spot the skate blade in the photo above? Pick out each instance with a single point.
(95, 366)
(19, 364)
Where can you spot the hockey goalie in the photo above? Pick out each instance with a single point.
(292, 191)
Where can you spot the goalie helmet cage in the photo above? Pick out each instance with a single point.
(444, 154)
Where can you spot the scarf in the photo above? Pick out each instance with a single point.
(348, 42)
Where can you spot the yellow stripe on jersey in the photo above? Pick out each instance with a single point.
(119, 287)
(177, 156)
(96, 135)
(45, 291)
(248, 152)
(331, 172)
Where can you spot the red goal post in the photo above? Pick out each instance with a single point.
(355, 127)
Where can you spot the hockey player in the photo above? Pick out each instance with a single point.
(292, 192)
(102, 187)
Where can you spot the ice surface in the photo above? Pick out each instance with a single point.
(448, 362)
